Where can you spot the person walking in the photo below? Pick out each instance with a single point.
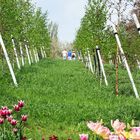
(73, 55)
(69, 55)
(64, 54)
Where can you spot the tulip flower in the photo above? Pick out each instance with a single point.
(4, 108)
(10, 118)
(135, 133)
(118, 126)
(83, 136)
(104, 132)
(53, 137)
(16, 108)
(8, 112)
(13, 122)
(93, 126)
(113, 137)
(116, 137)
(3, 113)
(15, 130)
(20, 103)
(24, 118)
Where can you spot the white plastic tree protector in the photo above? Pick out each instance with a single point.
(136, 22)
(90, 62)
(125, 61)
(21, 52)
(81, 57)
(8, 61)
(16, 55)
(138, 28)
(102, 66)
(35, 55)
(138, 62)
(44, 52)
(30, 52)
(27, 52)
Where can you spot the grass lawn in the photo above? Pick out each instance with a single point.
(60, 96)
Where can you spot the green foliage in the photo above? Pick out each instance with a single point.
(95, 31)
(91, 32)
(62, 96)
(22, 20)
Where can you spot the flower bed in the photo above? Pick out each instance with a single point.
(102, 132)
(12, 122)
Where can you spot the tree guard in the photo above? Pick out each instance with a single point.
(16, 55)
(8, 61)
(21, 53)
(136, 22)
(101, 64)
(30, 52)
(125, 61)
(27, 52)
(90, 62)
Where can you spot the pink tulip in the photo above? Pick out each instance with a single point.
(103, 132)
(16, 108)
(15, 130)
(8, 112)
(83, 136)
(135, 133)
(99, 129)
(20, 103)
(93, 126)
(117, 137)
(24, 118)
(3, 113)
(13, 122)
(118, 126)
(10, 118)
(1, 121)
(113, 137)
(4, 108)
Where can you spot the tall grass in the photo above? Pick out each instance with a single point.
(60, 96)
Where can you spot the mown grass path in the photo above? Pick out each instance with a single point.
(61, 96)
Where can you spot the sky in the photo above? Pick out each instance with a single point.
(66, 13)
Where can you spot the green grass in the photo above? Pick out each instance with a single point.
(61, 96)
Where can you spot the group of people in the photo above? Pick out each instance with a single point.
(68, 55)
